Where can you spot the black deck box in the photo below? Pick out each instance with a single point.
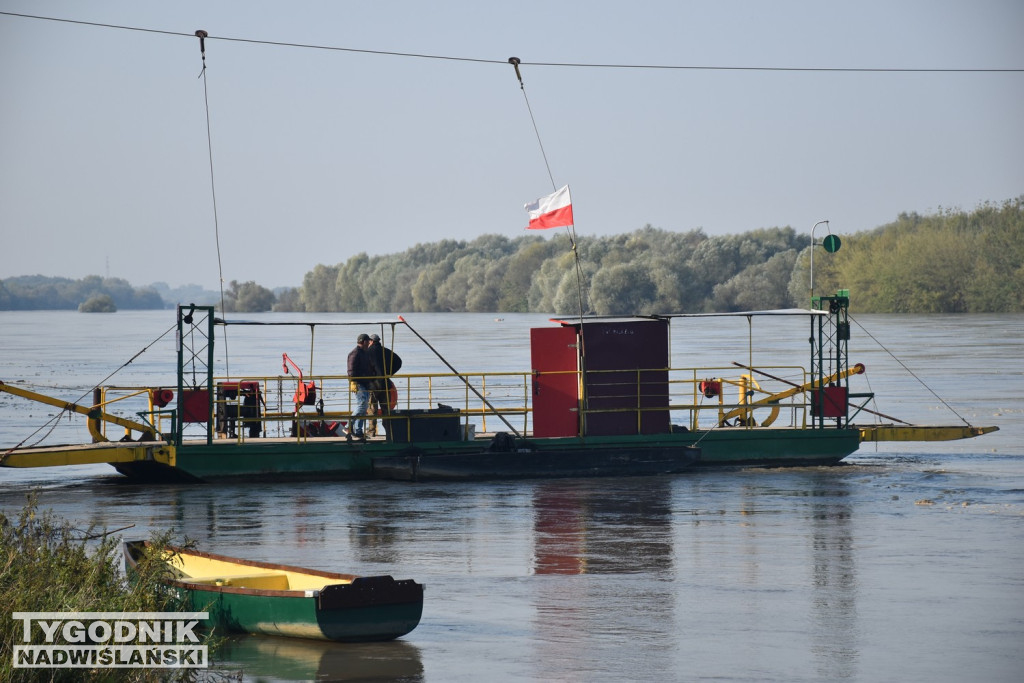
(418, 426)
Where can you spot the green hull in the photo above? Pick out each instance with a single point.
(776, 447)
(280, 460)
(298, 616)
(277, 459)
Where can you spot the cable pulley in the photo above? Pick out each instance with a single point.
(202, 35)
(515, 62)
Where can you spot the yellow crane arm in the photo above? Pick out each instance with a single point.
(146, 431)
(796, 389)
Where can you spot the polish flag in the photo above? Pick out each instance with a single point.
(553, 211)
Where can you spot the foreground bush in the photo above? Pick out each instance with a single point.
(47, 565)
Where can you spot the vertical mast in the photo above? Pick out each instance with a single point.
(195, 369)
(830, 335)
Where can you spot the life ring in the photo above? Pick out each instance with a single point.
(710, 388)
(392, 395)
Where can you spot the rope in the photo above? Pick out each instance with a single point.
(904, 366)
(203, 35)
(514, 61)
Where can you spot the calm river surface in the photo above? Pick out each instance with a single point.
(906, 563)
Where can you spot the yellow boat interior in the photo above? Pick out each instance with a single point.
(206, 570)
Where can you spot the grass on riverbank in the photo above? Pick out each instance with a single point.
(48, 565)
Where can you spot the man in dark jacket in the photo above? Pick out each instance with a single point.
(362, 369)
(389, 363)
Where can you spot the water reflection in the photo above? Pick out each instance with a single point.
(203, 512)
(603, 556)
(595, 528)
(834, 596)
(374, 530)
(296, 659)
(309, 521)
(560, 529)
(767, 559)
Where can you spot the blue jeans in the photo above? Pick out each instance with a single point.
(362, 403)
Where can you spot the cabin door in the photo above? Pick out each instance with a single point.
(554, 353)
(626, 377)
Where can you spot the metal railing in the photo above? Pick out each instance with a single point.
(694, 398)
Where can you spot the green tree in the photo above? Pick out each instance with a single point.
(761, 286)
(348, 289)
(548, 280)
(424, 290)
(383, 283)
(319, 291)
(998, 282)
(623, 289)
(514, 290)
(468, 273)
(248, 297)
(290, 299)
(99, 303)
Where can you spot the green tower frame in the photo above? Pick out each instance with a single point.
(195, 369)
(830, 336)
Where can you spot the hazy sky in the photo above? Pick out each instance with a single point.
(322, 154)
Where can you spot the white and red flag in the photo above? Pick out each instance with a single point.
(553, 211)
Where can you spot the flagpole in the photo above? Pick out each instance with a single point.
(584, 404)
(571, 233)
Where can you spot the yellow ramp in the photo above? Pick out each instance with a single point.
(913, 433)
(89, 454)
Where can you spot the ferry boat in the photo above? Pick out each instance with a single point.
(589, 405)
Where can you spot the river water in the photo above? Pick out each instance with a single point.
(904, 563)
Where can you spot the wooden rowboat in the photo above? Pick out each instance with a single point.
(245, 596)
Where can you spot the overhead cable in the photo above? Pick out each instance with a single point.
(477, 60)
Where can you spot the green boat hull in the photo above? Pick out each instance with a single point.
(280, 460)
(776, 447)
(301, 616)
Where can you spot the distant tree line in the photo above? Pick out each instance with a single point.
(949, 262)
(37, 292)
(647, 271)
